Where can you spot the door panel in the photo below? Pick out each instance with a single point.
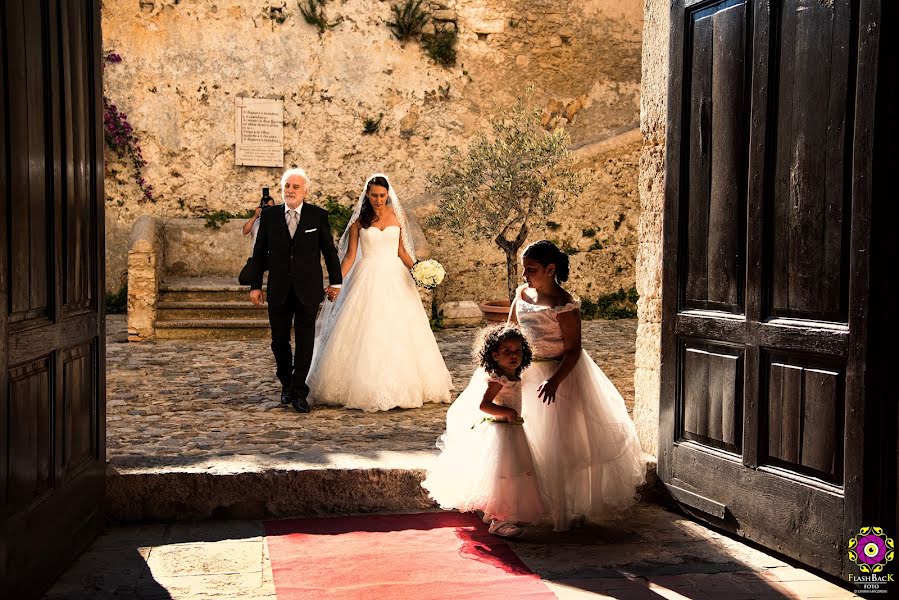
(715, 159)
(52, 353)
(712, 406)
(810, 152)
(805, 405)
(30, 450)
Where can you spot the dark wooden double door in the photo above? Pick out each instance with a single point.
(768, 393)
(52, 385)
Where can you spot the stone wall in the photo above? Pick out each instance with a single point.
(652, 195)
(184, 63)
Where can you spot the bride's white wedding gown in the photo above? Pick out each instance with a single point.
(378, 351)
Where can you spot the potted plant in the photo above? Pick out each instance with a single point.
(503, 184)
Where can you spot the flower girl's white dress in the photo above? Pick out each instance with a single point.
(485, 465)
(585, 446)
(378, 351)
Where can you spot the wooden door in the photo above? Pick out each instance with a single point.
(767, 249)
(52, 384)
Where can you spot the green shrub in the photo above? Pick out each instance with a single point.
(441, 46)
(588, 232)
(568, 249)
(408, 19)
(314, 14)
(615, 305)
(215, 220)
(117, 302)
(338, 216)
(370, 125)
(596, 245)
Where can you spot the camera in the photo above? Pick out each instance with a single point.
(263, 202)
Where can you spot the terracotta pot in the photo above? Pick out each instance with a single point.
(495, 311)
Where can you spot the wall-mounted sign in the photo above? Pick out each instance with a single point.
(259, 132)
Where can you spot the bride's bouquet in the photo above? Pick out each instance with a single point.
(428, 273)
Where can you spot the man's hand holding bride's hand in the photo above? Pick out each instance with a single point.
(257, 297)
(332, 293)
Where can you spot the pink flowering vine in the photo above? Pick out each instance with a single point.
(121, 139)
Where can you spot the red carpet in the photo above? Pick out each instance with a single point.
(428, 556)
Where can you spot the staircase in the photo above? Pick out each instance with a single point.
(208, 308)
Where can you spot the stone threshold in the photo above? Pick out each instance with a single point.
(251, 487)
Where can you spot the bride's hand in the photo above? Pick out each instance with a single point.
(547, 391)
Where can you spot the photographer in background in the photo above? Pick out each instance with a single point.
(252, 224)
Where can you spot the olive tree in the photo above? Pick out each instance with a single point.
(505, 182)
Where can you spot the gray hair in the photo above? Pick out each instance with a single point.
(290, 173)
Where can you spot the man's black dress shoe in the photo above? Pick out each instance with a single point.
(300, 404)
(285, 397)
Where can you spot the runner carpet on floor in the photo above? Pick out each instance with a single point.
(384, 557)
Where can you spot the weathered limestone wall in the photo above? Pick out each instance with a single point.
(653, 117)
(184, 63)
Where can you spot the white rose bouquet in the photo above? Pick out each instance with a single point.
(428, 273)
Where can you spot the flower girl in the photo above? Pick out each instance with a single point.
(486, 464)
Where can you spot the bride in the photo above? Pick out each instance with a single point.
(375, 349)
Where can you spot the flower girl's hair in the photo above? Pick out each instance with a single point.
(488, 341)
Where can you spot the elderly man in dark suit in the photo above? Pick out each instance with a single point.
(292, 239)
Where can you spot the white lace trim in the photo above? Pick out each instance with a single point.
(503, 380)
(573, 305)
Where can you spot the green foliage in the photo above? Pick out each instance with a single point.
(370, 125)
(616, 305)
(338, 216)
(553, 226)
(408, 19)
(588, 232)
(596, 245)
(568, 249)
(314, 14)
(441, 46)
(215, 220)
(117, 302)
(504, 181)
(618, 221)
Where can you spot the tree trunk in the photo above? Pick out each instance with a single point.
(510, 247)
(511, 272)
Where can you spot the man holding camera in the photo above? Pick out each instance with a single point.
(291, 240)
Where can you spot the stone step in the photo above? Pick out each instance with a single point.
(202, 310)
(264, 487)
(223, 295)
(231, 329)
(167, 496)
(203, 289)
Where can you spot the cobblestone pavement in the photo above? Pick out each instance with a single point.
(650, 554)
(186, 403)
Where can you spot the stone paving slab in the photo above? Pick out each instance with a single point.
(650, 553)
(211, 406)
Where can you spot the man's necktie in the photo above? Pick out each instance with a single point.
(292, 222)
